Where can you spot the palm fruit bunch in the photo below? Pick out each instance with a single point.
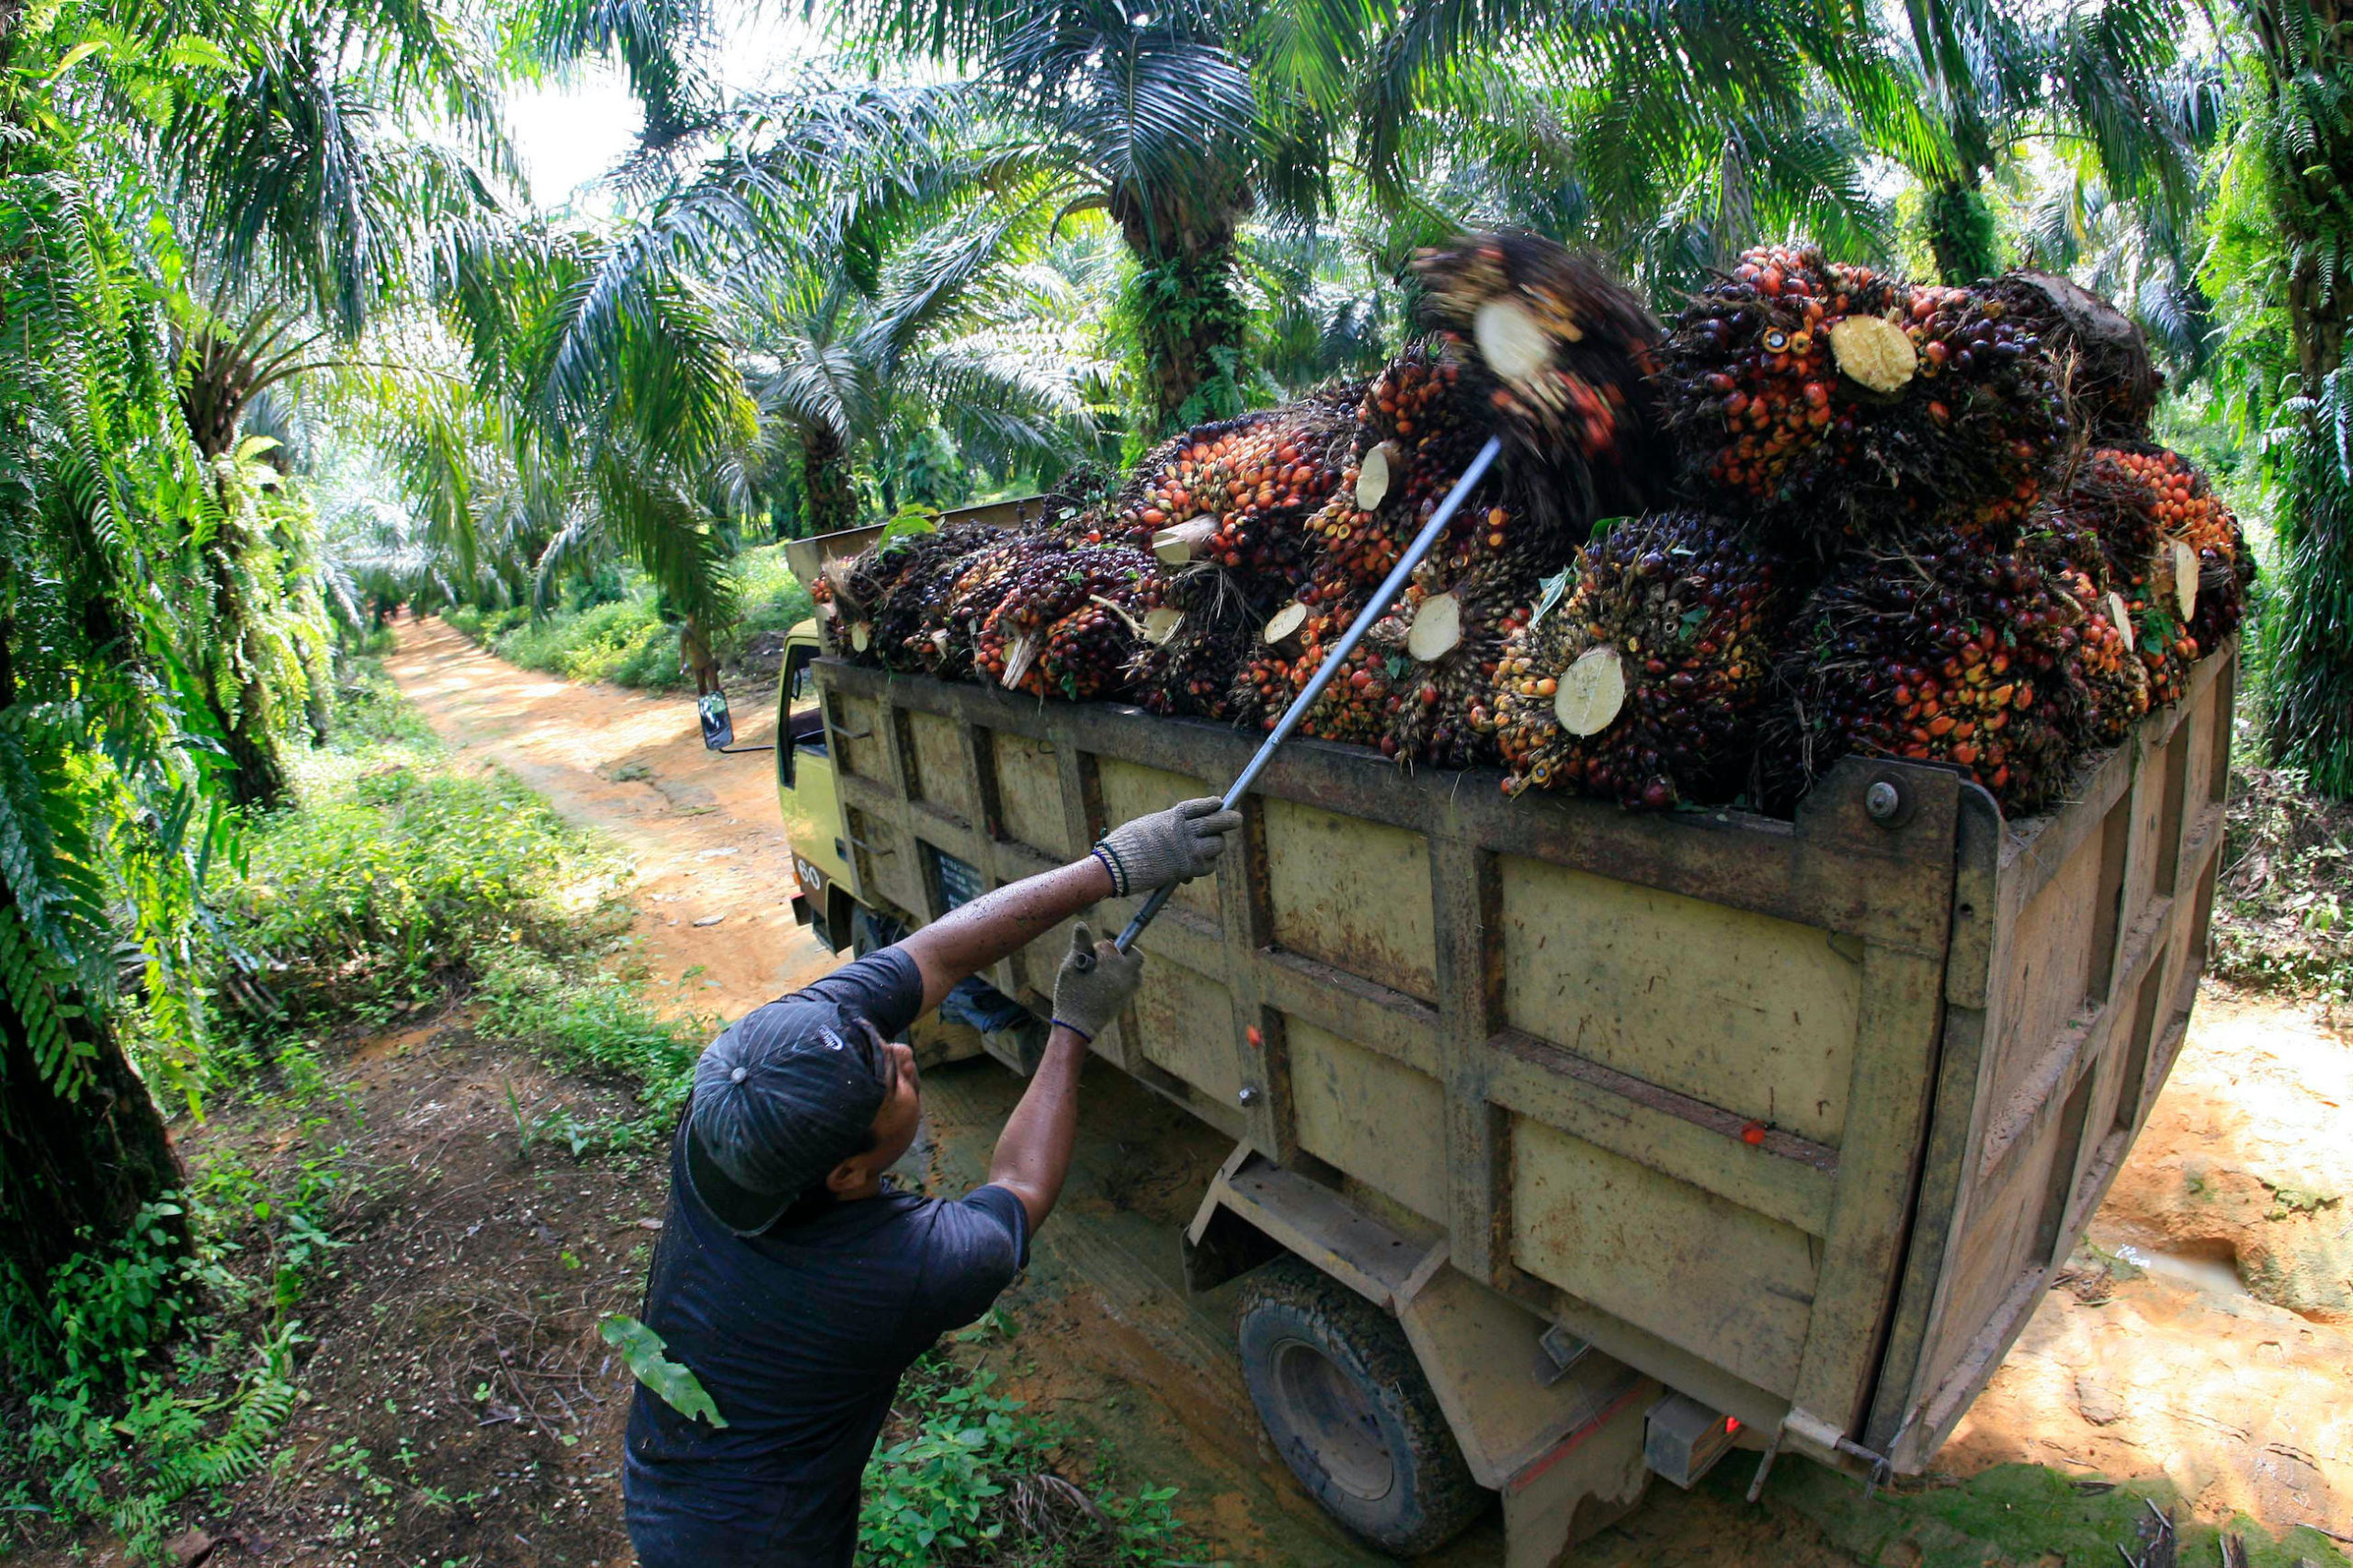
(972, 595)
(1238, 493)
(2190, 515)
(2098, 356)
(847, 591)
(1947, 652)
(905, 630)
(1291, 647)
(1072, 603)
(1565, 355)
(2112, 684)
(1418, 428)
(1451, 630)
(2164, 545)
(1643, 683)
(1089, 652)
(1192, 644)
(1838, 401)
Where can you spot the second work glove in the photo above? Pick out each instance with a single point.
(1095, 984)
(1174, 846)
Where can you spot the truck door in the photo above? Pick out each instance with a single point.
(806, 796)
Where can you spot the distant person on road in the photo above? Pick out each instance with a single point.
(791, 1277)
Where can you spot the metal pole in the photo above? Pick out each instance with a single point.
(1382, 598)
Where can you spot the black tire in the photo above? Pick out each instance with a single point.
(1342, 1397)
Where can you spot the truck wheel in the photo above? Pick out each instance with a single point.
(1341, 1394)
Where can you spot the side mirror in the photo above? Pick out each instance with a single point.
(718, 729)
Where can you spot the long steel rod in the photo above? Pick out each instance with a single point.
(1375, 608)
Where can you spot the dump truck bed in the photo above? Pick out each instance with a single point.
(1795, 1117)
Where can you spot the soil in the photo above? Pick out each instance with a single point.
(701, 825)
(459, 1326)
(2173, 1349)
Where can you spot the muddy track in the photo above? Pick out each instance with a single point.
(2246, 1407)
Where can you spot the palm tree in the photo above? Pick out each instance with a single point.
(942, 344)
(1155, 109)
(2103, 77)
(96, 775)
(2282, 257)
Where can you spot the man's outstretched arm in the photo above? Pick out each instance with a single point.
(1032, 1155)
(1174, 846)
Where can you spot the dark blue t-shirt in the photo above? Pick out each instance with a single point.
(800, 1335)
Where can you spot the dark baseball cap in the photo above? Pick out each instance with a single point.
(774, 1110)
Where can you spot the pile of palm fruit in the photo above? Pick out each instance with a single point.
(1823, 512)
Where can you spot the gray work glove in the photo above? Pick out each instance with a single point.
(1095, 984)
(1174, 846)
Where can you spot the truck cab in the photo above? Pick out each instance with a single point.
(808, 798)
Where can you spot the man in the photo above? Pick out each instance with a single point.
(792, 1278)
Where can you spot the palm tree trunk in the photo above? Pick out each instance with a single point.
(82, 1143)
(829, 492)
(1185, 302)
(78, 1160)
(259, 778)
(694, 652)
(2310, 190)
(1961, 230)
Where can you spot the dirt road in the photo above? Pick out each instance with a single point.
(714, 877)
(2245, 1406)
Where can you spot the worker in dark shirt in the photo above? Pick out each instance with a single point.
(792, 1278)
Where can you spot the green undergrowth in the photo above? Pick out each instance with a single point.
(965, 1476)
(2283, 916)
(159, 1375)
(399, 884)
(404, 880)
(614, 627)
(2014, 1514)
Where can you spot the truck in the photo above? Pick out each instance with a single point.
(1572, 1145)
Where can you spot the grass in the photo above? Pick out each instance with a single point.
(2012, 1514)
(966, 1476)
(613, 628)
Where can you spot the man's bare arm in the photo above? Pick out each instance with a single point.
(1095, 985)
(1033, 1152)
(1151, 851)
(969, 939)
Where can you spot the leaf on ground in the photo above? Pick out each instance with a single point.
(646, 1355)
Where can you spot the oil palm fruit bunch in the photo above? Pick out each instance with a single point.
(1839, 401)
(1073, 602)
(2098, 356)
(905, 630)
(1641, 683)
(1238, 493)
(1565, 354)
(2210, 580)
(1453, 628)
(856, 586)
(1419, 424)
(973, 594)
(1954, 653)
(1291, 646)
(2112, 684)
(2168, 549)
(1089, 651)
(1203, 632)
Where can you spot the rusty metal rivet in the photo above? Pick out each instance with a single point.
(1882, 801)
